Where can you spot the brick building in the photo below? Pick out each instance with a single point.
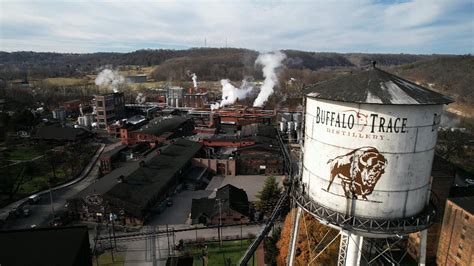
(72, 106)
(456, 244)
(136, 196)
(109, 108)
(195, 98)
(217, 166)
(443, 174)
(107, 159)
(158, 130)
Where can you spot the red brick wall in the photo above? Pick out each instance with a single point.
(456, 244)
(216, 165)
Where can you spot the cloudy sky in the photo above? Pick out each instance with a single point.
(417, 26)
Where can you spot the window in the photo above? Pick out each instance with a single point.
(100, 112)
(458, 255)
(466, 217)
(462, 236)
(100, 103)
(460, 246)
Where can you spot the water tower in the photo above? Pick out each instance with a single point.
(369, 139)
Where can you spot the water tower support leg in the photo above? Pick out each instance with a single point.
(423, 240)
(350, 249)
(294, 237)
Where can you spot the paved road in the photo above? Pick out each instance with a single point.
(41, 213)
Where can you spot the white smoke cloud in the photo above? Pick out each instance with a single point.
(194, 78)
(230, 93)
(110, 78)
(141, 98)
(270, 62)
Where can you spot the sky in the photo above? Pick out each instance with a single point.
(366, 26)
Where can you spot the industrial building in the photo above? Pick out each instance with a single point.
(158, 130)
(252, 150)
(195, 98)
(109, 108)
(59, 134)
(107, 159)
(136, 196)
(443, 174)
(136, 78)
(72, 106)
(191, 98)
(456, 244)
(230, 206)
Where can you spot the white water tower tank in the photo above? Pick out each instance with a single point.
(369, 144)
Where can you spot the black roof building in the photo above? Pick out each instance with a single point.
(232, 198)
(61, 134)
(375, 86)
(467, 203)
(160, 126)
(46, 246)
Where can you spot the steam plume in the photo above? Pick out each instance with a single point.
(270, 62)
(194, 78)
(230, 94)
(108, 77)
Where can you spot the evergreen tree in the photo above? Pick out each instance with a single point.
(269, 195)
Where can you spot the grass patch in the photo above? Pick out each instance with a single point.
(66, 81)
(23, 153)
(106, 259)
(216, 255)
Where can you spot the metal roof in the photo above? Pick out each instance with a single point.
(375, 86)
(467, 203)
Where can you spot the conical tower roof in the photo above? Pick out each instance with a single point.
(375, 86)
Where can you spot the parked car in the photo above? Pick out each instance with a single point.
(34, 198)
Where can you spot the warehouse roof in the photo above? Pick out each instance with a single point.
(55, 132)
(467, 203)
(232, 198)
(258, 130)
(162, 125)
(45, 246)
(375, 86)
(141, 187)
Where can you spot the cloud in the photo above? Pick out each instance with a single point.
(418, 26)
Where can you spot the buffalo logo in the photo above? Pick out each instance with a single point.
(359, 171)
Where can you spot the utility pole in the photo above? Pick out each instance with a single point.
(240, 234)
(219, 203)
(168, 236)
(51, 198)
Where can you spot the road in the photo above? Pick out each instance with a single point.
(41, 213)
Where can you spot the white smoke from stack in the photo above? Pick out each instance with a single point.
(140, 98)
(270, 62)
(109, 78)
(230, 93)
(194, 78)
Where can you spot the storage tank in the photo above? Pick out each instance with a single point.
(291, 126)
(59, 114)
(88, 119)
(369, 144)
(283, 126)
